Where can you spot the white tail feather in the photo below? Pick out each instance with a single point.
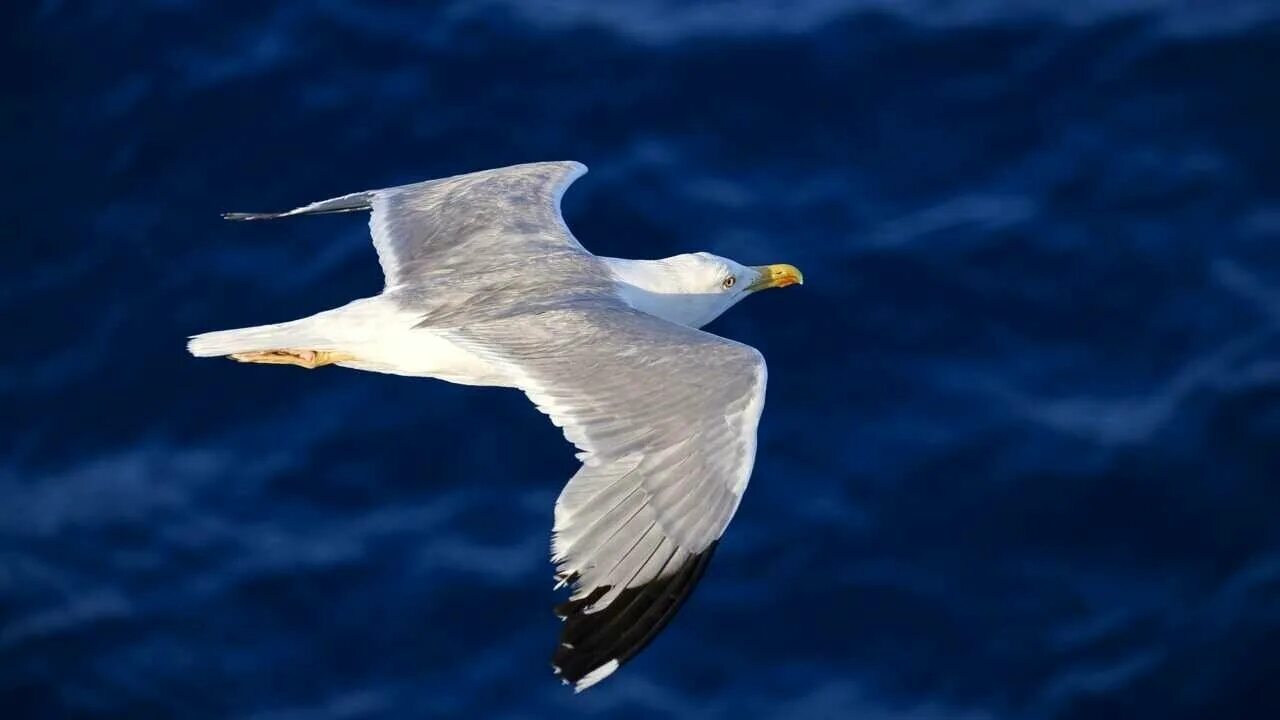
(298, 334)
(375, 333)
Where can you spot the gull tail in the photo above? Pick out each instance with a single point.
(262, 338)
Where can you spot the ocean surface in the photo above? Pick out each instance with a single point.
(1021, 451)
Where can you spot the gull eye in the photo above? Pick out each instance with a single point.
(728, 282)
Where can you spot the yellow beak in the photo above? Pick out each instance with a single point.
(775, 276)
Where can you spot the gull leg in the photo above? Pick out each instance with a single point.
(309, 359)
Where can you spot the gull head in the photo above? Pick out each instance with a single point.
(695, 288)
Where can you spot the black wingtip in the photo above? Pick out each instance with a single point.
(249, 216)
(603, 640)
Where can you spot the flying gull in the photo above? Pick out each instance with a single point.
(485, 285)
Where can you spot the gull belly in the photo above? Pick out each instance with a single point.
(381, 337)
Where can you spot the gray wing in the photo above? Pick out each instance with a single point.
(665, 417)
(474, 247)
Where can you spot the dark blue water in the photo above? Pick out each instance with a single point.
(1021, 454)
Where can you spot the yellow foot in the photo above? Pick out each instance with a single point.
(309, 359)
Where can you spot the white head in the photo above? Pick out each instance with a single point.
(695, 288)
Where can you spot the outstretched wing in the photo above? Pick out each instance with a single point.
(666, 419)
(477, 246)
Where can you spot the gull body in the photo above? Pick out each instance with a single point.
(379, 334)
(486, 286)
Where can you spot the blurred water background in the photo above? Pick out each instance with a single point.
(1021, 454)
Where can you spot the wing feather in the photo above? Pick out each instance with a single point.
(475, 246)
(666, 418)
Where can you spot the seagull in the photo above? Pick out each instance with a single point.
(485, 285)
